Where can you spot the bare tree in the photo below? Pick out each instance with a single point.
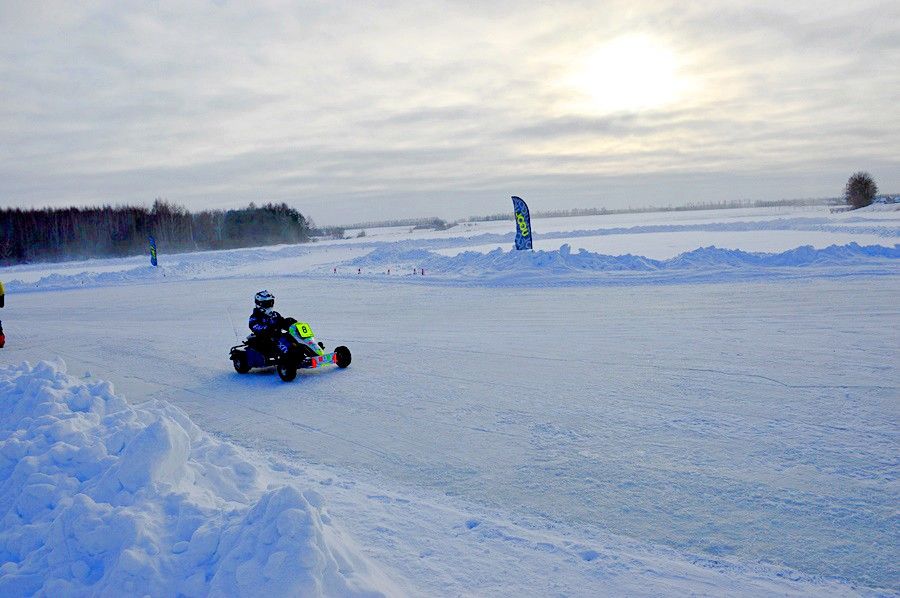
(860, 190)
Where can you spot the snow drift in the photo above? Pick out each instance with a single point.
(100, 497)
(706, 263)
(660, 236)
(508, 267)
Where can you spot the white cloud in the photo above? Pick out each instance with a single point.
(375, 108)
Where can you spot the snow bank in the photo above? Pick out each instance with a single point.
(181, 266)
(707, 263)
(502, 267)
(102, 498)
(873, 226)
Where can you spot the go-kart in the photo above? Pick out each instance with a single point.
(296, 349)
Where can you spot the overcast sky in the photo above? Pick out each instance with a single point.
(352, 110)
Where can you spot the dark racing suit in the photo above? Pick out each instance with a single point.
(268, 325)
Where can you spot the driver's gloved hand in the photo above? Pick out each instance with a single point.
(321, 344)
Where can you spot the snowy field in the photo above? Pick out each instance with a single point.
(575, 421)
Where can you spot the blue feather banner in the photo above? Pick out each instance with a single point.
(523, 223)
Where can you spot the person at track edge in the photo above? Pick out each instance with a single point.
(2, 303)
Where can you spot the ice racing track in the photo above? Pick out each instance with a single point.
(755, 422)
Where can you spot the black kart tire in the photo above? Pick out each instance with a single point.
(286, 372)
(342, 356)
(240, 364)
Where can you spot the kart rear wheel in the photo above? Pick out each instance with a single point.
(240, 364)
(286, 372)
(342, 356)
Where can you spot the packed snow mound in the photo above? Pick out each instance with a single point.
(872, 226)
(563, 261)
(180, 266)
(102, 498)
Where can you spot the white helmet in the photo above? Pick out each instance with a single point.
(264, 300)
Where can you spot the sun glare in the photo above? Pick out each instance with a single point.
(628, 74)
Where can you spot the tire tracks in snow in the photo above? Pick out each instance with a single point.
(675, 407)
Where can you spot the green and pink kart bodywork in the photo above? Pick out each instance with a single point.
(305, 353)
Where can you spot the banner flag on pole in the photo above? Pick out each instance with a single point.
(523, 223)
(153, 251)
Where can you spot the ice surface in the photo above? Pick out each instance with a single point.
(736, 424)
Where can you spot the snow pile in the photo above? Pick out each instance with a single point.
(400, 249)
(564, 262)
(181, 266)
(99, 497)
(138, 274)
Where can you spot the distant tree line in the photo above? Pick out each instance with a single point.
(436, 223)
(417, 223)
(75, 233)
(717, 205)
(328, 232)
(432, 224)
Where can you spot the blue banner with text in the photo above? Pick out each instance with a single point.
(523, 223)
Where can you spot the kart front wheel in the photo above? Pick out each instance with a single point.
(342, 356)
(240, 364)
(286, 372)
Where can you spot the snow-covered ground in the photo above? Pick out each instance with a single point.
(659, 236)
(549, 423)
(100, 498)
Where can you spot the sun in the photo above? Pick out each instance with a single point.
(627, 74)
